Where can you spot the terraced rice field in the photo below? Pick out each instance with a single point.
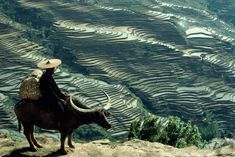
(176, 58)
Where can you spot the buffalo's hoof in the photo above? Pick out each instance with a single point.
(71, 146)
(62, 152)
(39, 146)
(32, 149)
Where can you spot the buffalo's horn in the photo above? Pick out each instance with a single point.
(108, 105)
(78, 108)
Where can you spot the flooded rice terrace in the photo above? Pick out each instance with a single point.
(167, 57)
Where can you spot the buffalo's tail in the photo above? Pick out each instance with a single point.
(19, 125)
(19, 122)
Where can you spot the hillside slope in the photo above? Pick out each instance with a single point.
(103, 148)
(171, 57)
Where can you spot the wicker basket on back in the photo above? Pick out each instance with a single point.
(29, 88)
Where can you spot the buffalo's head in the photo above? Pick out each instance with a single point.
(97, 115)
(101, 118)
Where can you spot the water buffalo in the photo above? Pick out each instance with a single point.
(30, 114)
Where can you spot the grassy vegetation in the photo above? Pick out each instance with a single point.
(210, 129)
(171, 131)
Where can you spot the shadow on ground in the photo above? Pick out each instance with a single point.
(23, 152)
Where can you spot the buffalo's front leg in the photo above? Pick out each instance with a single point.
(27, 133)
(70, 139)
(62, 140)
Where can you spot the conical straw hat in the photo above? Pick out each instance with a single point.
(50, 63)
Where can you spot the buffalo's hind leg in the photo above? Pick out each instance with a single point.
(27, 133)
(70, 139)
(34, 140)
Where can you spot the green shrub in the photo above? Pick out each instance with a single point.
(171, 131)
(210, 129)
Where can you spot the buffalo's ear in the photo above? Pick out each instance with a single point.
(107, 113)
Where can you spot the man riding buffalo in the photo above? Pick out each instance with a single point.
(61, 116)
(51, 94)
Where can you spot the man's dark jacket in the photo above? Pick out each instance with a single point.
(50, 91)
